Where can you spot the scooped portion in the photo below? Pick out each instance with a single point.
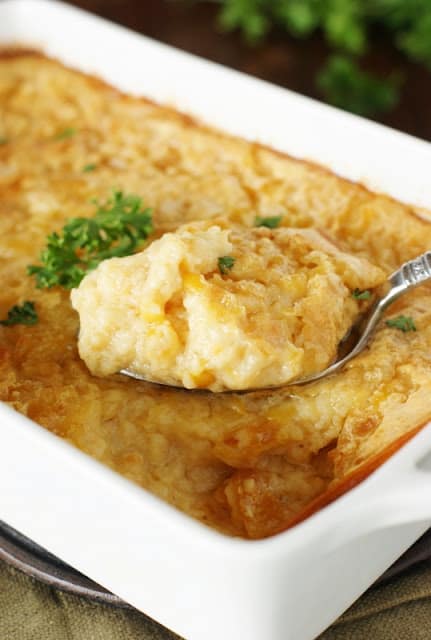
(220, 307)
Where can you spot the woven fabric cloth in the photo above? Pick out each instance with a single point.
(399, 609)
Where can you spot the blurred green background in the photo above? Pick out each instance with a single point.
(371, 57)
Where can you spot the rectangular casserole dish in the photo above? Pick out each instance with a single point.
(196, 581)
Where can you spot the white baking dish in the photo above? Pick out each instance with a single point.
(201, 584)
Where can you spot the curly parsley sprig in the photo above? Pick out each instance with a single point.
(403, 323)
(344, 84)
(271, 222)
(359, 294)
(225, 264)
(118, 228)
(88, 168)
(349, 28)
(21, 314)
(69, 132)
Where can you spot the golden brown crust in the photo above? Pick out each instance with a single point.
(340, 487)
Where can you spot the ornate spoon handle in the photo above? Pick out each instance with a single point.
(409, 275)
(412, 273)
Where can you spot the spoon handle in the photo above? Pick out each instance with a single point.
(412, 273)
(409, 275)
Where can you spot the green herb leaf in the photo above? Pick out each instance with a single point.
(344, 25)
(3, 140)
(21, 314)
(271, 222)
(89, 167)
(403, 323)
(299, 17)
(246, 15)
(118, 228)
(346, 86)
(69, 132)
(225, 264)
(416, 41)
(361, 295)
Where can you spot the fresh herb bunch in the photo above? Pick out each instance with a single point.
(21, 314)
(347, 87)
(118, 228)
(346, 26)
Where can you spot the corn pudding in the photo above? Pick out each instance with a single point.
(175, 314)
(249, 465)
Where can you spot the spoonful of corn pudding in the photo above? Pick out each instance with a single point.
(218, 307)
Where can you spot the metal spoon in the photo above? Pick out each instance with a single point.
(409, 275)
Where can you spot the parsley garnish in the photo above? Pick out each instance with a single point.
(345, 85)
(119, 227)
(349, 27)
(361, 295)
(69, 132)
(272, 222)
(3, 140)
(21, 314)
(225, 264)
(403, 323)
(89, 167)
